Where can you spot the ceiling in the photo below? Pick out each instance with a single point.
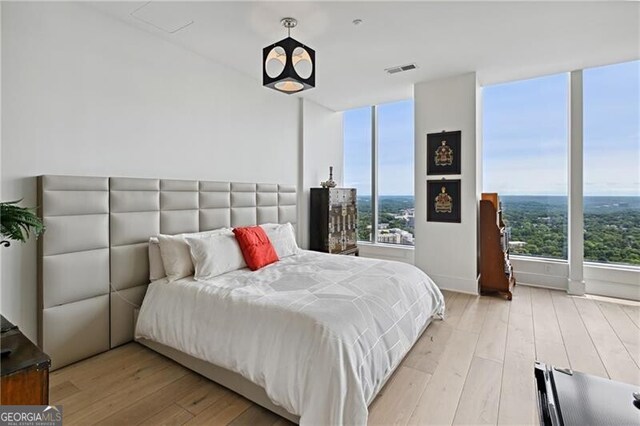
(501, 41)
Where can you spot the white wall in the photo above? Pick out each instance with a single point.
(321, 147)
(448, 251)
(84, 94)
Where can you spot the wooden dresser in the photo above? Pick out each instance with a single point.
(25, 371)
(333, 221)
(496, 272)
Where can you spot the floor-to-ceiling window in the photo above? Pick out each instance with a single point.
(390, 180)
(396, 207)
(525, 125)
(357, 164)
(611, 99)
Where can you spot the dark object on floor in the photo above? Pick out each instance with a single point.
(569, 398)
(6, 325)
(25, 371)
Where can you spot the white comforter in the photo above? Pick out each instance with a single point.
(320, 333)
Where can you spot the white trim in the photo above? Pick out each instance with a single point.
(619, 290)
(387, 245)
(607, 280)
(457, 284)
(387, 252)
(575, 282)
(374, 173)
(613, 267)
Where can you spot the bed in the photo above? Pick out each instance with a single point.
(320, 333)
(313, 337)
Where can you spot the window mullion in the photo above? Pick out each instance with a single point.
(575, 232)
(374, 174)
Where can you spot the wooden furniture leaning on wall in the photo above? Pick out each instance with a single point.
(333, 221)
(25, 370)
(496, 272)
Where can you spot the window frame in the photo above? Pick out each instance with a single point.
(374, 186)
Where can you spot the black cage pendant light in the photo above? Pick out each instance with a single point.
(288, 65)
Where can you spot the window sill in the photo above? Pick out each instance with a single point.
(597, 265)
(612, 266)
(538, 259)
(385, 245)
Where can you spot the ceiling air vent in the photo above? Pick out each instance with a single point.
(402, 68)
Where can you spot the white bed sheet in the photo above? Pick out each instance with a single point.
(320, 333)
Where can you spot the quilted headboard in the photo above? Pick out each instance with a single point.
(93, 263)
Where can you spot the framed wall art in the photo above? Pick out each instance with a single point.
(443, 153)
(443, 201)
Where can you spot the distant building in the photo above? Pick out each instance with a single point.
(517, 244)
(396, 236)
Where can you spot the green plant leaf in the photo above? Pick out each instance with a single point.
(17, 223)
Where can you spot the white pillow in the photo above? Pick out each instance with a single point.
(175, 253)
(283, 238)
(156, 268)
(215, 255)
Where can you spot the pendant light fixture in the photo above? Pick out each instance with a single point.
(288, 65)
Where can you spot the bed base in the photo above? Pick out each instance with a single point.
(236, 382)
(222, 376)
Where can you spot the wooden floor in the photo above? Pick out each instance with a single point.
(476, 367)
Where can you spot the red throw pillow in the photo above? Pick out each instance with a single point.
(256, 247)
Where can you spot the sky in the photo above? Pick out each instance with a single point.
(525, 131)
(395, 149)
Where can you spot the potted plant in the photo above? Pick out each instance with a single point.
(16, 223)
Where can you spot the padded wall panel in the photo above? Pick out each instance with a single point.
(267, 214)
(179, 221)
(75, 203)
(267, 199)
(215, 205)
(215, 200)
(133, 184)
(179, 200)
(214, 219)
(75, 331)
(243, 216)
(267, 187)
(243, 204)
(175, 200)
(133, 227)
(73, 183)
(73, 267)
(123, 304)
(133, 265)
(93, 259)
(209, 186)
(287, 204)
(243, 187)
(135, 216)
(267, 203)
(134, 201)
(70, 277)
(69, 234)
(243, 199)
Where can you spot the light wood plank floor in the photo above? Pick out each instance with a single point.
(475, 367)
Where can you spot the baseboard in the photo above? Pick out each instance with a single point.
(541, 280)
(618, 290)
(459, 285)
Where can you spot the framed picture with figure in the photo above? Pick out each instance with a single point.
(443, 153)
(443, 201)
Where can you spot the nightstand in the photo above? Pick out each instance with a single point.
(25, 371)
